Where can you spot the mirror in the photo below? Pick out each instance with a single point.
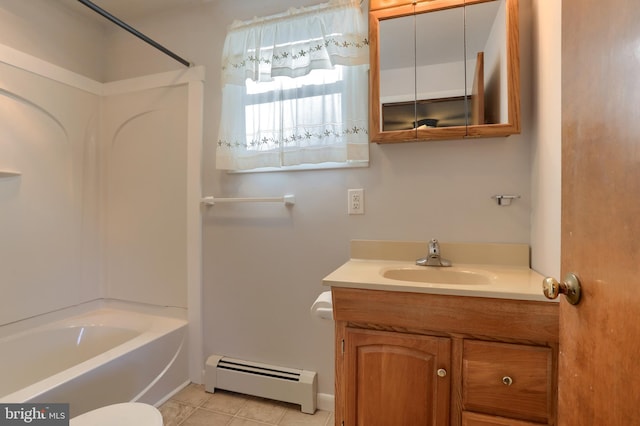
(443, 69)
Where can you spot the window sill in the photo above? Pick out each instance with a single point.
(303, 167)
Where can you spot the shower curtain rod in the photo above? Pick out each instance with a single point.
(135, 32)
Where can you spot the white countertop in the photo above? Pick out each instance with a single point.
(506, 281)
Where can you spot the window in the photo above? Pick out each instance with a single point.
(295, 89)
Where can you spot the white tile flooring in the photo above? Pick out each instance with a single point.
(193, 406)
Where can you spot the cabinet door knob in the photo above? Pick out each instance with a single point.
(570, 287)
(507, 380)
(441, 372)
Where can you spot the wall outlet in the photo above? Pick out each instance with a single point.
(356, 201)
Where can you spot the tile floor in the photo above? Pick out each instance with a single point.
(192, 406)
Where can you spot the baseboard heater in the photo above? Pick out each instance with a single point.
(266, 381)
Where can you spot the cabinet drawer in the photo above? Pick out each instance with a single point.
(474, 419)
(508, 380)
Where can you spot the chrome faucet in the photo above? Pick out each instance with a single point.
(433, 257)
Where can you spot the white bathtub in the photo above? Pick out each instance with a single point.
(107, 355)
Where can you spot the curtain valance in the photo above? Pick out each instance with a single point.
(295, 42)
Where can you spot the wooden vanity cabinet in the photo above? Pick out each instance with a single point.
(411, 359)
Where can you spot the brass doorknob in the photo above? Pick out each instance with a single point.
(441, 372)
(570, 287)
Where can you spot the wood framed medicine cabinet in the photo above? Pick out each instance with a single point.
(443, 69)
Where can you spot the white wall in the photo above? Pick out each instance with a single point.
(546, 141)
(57, 34)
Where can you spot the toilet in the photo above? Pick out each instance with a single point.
(124, 414)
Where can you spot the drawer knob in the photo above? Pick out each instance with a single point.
(441, 372)
(507, 380)
(570, 287)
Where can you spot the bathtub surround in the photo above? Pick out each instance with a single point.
(107, 201)
(49, 214)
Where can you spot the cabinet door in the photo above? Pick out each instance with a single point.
(396, 379)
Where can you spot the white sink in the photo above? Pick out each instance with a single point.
(438, 275)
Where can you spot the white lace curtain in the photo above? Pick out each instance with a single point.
(294, 89)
